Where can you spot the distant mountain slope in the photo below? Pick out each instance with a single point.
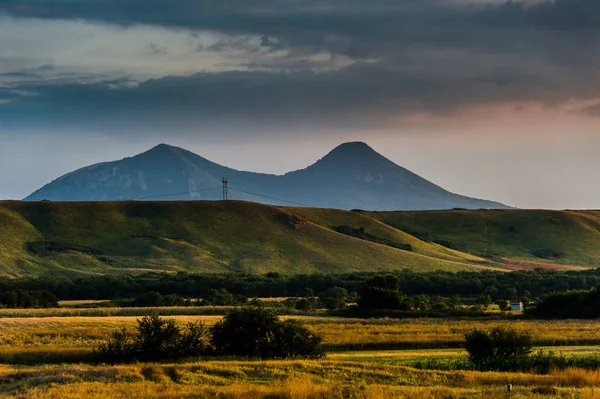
(526, 238)
(38, 238)
(351, 176)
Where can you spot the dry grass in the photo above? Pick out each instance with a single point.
(359, 375)
(114, 311)
(343, 334)
(283, 379)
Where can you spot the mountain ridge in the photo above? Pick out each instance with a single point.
(350, 176)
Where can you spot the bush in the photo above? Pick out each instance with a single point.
(257, 332)
(547, 253)
(488, 349)
(222, 297)
(334, 298)
(153, 298)
(305, 304)
(484, 300)
(155, 339)
(503, 305)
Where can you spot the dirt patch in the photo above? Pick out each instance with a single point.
(512, 264)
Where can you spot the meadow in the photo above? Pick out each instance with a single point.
(285, 379)
(49, 357)
(25, 339)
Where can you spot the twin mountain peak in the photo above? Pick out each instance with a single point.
(351, 176)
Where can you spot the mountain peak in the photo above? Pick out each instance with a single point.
(162, 147)
(355, 152)
(353, 147)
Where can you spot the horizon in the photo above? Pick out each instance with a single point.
(490, 99)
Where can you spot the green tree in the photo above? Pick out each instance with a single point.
(502, 344)
(257, 332)
(220, 297)
(381, 292)
(484, 300)
(334, 298)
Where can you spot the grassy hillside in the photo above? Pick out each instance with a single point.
(534, 236)
(115, 237)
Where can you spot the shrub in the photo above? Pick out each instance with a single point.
(503, 304)
(257, 332)
(305, 304)
(155, 339)
(334, 298)
(488, 349)
(153, 298)
(484, 300)
(222, 297)
(547, 253)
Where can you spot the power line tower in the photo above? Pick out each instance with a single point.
(225, 193)
(488, 233)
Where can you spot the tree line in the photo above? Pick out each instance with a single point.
(497, 285)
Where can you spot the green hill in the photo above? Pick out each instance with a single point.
(518, 237)
(38, 238)
(59, 238)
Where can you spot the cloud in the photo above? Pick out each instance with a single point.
(357, 62)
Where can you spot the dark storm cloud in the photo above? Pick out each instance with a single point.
(404, 56)
(368, 93)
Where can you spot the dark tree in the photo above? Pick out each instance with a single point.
(499, 345)
(257, 332)
(334, 298)
(381, 292)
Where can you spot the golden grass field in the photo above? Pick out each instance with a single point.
(348, 371)
(340, 332)
(285, 379)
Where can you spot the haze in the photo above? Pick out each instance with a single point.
(487, 99)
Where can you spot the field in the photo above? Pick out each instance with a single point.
(42, 238)
(372, 358)
(339, 334)
(285, 379)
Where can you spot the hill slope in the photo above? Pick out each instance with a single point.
(351, 176)
(537, 237)
(204, 236)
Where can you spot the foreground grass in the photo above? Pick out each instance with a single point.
(283, 379)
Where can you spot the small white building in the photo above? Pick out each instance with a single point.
(516, 306)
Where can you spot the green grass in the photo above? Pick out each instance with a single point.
(65, 238)
(516, 234)
(55, 238)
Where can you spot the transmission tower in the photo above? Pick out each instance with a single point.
(225, 193)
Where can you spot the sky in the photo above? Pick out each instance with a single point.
(491, 99)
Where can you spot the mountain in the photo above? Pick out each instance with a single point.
(351, 176)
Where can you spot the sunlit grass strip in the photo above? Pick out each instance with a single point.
(338, 334)
(281, 379)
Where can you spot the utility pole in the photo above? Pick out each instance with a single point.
(488, 233)
(225, 193)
